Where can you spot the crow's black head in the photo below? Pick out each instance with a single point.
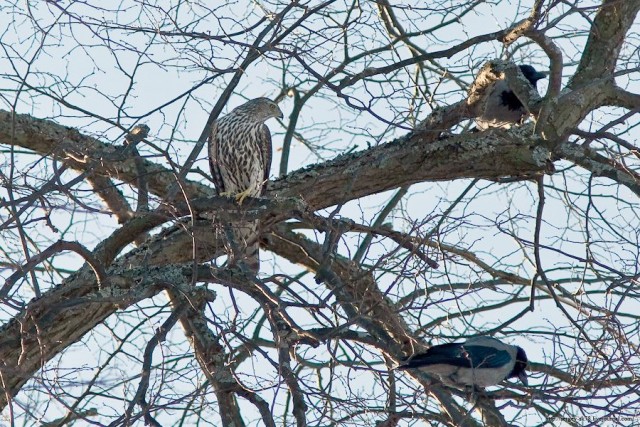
(531, 74)
(520, 366)
(509, 99)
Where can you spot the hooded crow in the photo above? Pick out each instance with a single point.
(503, 108)
(479, 362)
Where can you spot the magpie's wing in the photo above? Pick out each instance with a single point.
(464, 356)
(481, 356)
(439, 354)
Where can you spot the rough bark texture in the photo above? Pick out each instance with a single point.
(169, 261)
(404, 161)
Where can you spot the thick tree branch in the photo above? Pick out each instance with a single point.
(600, 165)
(623, 98)
(85, 153)
(212, 359)
(407, 160)
(598, 61)
(64, 314)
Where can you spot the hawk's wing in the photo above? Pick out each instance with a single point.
(214, 161)
(265, 149)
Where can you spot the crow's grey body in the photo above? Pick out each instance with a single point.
(502, 108)
(240, 160)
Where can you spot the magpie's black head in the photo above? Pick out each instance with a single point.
(531, 74)
(520, 366)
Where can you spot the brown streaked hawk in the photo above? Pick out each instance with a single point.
(240, 160)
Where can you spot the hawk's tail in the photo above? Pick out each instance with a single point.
(245, 248)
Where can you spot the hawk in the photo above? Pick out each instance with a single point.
(240, 160)
(503, 108)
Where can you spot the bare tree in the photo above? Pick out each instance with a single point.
(403, 229)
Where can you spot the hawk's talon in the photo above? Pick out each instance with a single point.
(238, 196)
(241, 196)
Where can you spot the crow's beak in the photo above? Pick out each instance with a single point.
(522, 376)
(542, 75)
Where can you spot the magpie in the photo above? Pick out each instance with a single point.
(479, 362)
(502, 108)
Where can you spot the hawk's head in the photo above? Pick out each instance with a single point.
(260, 109)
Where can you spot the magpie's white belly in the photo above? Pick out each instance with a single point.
(458, 376)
